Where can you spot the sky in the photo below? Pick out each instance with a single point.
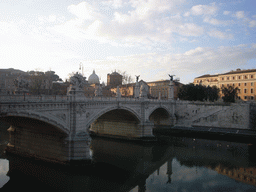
(150, 38)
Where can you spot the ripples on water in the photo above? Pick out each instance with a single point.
(178, 164)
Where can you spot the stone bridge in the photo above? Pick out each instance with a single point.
(63, 122)
(56, 128)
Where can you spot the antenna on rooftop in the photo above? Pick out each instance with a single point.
(81, 68)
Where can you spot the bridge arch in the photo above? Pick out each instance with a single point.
(45, 119)
(109, 109)
(159, 115)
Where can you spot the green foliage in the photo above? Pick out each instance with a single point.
(230, 93)
(193, 92)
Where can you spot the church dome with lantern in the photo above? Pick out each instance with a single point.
(93, 78)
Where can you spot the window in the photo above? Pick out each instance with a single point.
(233, 77)
(239, 90)
(251, 84)
(239, 77)
(227, 78)
(245, 84)
(245, 90)
(252, 98)
(251, 76)
(238, 84)
(245, 77)
(245, 97)
(251, 90)
(222, 78)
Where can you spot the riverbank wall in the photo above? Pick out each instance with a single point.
(215, 114)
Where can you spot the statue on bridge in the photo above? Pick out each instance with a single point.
(144, 90)
(137, 78)
(171, 77)
(77, 83)
(98, 91)
(21, 85)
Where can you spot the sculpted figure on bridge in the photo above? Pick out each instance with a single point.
(77, 81)
(143, 90)
(21, 85)
(98, 91)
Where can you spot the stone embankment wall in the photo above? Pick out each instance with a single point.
(210, 114)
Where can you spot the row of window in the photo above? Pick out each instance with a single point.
(245, 91)
(240, 84)
(247, 97)
(238, 77)
(230, 78)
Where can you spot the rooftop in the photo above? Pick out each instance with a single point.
(237, 71)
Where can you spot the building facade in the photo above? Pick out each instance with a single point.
(156, 89)
(244, 80)
(114, 79)
(160, 89)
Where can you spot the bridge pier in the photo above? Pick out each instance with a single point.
(79, 148)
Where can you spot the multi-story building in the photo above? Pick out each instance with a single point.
(244, 80)
(161, 88)
(114, 79)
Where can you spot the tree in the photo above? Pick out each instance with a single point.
(50, 76)
(193, 92)
(212, 93)
(36, 81)
(230, 93)
(127, 79)
(41, 82)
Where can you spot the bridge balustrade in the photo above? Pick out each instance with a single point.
(50, 98)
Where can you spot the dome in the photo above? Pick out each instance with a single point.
(93, 78)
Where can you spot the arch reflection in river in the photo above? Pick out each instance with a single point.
(182, 164)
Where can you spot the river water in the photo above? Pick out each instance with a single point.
(173, 164)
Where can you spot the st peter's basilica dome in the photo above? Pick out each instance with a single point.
(93, 78)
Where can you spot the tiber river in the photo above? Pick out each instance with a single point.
(174, 164)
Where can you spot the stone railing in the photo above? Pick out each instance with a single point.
(32, 98)
(53, 98)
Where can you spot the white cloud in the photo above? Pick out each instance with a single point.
(219, 34)
(226, 12)
(214, 21)
(52, 18)
(9, 28)
(252, 23)
(116, 4)
(202, 10)
(84, 11)
(187, 65)
(190, 29)
(239, 15)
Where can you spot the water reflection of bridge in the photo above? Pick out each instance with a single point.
(121, 166)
